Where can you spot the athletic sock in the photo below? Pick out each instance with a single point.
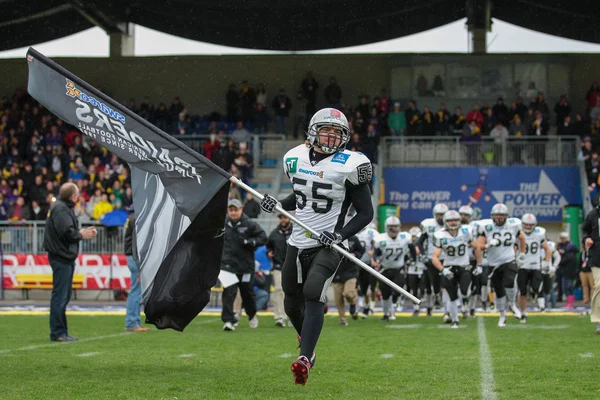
(311, 329)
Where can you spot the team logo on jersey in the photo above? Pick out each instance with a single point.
(291, 164)
(489, 228)
(382, 244)
(432, 229)
(465, 230)
(444, 242)
(309, 172)
(340, 158)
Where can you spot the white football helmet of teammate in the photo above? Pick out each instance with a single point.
(466, 212)
(451, 220)
(415, 231)
(529, 222)
(499, 214)
(438, 212)
(330, 140)
(392, 226)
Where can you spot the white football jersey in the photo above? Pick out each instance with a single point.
(533, 249)
(429, 227)
(508, 236)
(366, 237)
(321, 189)
(393, 251)
(473, 229)
(418, 267)
(454, 248)
(555, 258)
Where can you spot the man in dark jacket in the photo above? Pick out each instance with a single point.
(568, 266)
(242, 237)
(591, 240)
(276, 248)
(251, 207)
(344, 282)
(61, 241)
(132, 316)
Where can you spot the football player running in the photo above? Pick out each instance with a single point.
(367, 281)
(391, 248)
(548, 277)
(466, 213)
(499, 235)
(428, 227)
(530, 269)
(418, 279)
(326, 179)
(454, 241)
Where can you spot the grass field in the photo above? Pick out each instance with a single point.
(551, 357)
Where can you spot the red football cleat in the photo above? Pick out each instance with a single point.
(301, 369)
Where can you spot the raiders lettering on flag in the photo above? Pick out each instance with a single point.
(180, 197)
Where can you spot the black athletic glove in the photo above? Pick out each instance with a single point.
(330, 238)
(268, 203)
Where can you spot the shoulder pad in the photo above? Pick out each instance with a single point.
(465, 230)
(512, 221)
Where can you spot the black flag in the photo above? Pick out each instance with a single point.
(180, 197)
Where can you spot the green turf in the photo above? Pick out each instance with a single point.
(422, 362)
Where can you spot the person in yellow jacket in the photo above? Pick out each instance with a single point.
(102, 207)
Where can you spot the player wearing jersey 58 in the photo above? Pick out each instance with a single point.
(326, 179)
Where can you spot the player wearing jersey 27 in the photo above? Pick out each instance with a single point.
(417, 278)
(428, 227)
(466, 212)
(326, 179)
(454, 242)
(530, 268)
(367, 283)
(499, 236)
(548, 277)
(391, 248)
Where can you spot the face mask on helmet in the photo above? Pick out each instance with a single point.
(465, 218)
(328, 130)
(452, 221)
(529, 222)
(499, 219)
(393, 230)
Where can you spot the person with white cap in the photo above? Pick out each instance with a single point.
(241, 238)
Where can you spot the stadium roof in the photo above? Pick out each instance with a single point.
(287, 25)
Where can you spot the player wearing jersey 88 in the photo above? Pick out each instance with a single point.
(454, 241)
(531, 264)
(466, 213)
(326, 179)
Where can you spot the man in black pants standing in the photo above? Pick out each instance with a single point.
(242, 237)
(61, 241)
(276, 248)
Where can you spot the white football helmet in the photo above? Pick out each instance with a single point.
(451, 220)
(529, 222)
(438, 212)
(466, 212)
(499, 213)
(392, 226)
(329, 142)
(415, 231)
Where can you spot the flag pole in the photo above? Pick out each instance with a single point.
(337, 248)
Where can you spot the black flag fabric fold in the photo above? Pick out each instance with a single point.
(180, 197)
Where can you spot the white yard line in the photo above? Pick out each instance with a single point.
(39, 346)
(186, 355)
(387, 355)
(93, 353)
(485, 364)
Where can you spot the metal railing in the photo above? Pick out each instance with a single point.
(439, 151)
(27, 237)
(266, 149)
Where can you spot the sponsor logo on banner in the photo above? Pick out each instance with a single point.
(541, 191)
(101, 271)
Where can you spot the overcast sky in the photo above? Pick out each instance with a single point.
(451, 38)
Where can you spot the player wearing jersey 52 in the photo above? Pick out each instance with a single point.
(499, 236)
(454, 242)
(326, 180)
(530, 269)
